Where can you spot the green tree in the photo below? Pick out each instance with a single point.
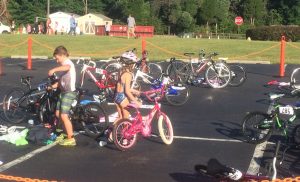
(254, 11)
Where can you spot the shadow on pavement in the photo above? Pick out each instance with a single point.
(229, 129)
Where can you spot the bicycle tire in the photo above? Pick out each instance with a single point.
(155, 70)
(112, 66)
(258, 130)
(110, 84)
(165, 129)
(46, 112)
(96, 120)
(238, 75)
(295, 78)
(218, 75)
(296, 135)
(177, 94)
(120, 127)
(11, 108)
(173, 71)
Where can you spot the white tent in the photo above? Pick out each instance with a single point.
(60, 21)
(88, 22)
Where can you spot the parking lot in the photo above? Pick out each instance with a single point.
(207, 126)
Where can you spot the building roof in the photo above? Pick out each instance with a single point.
(60, 12)
(105, 18)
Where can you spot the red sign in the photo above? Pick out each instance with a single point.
(238, 20)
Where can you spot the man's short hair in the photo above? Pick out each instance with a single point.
(61, 50)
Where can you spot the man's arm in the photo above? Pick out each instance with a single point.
(59, 69)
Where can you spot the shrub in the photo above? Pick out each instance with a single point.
(274, 33)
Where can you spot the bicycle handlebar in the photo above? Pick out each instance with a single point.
(86, 62)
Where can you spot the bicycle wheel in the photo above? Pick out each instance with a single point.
(165, 129)
(47, 111)
(95, 120)
(155, 70)
(257, 127)
(15, 105)
(124, 138)
(238, 75)
(296, 135)
(111, 83)
(218, 75)
(177, 71)
(295, 78)
(112, 66)
(177, 94)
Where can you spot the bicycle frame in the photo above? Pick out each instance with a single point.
(100, 83)
(274, 111)
(139, 74)
(142, 124)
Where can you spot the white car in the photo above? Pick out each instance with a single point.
(4, 29)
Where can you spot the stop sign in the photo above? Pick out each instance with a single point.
(238, 20)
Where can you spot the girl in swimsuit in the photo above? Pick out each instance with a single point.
(124, 93)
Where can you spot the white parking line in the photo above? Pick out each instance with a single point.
(25, 157)
(44, 148)
(258, 154)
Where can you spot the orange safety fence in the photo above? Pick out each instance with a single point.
(21, 179)
(292, 45)
(100, 53)
(258, 52)
(166, 50)
(237, 57)
(13, 46)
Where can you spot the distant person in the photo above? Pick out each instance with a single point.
(107, 29)
(130, 26)
(28, 28)
(48, 23)
(55, 27)
(12, 27)
(36, 26)
(72, 25)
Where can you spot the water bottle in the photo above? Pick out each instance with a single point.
(53, 137)
(102, 143)
(30, 121)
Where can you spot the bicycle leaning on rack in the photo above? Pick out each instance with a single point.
(125, 130)
(105, 82)
(19, 102)
(152, 69)
(258, 126)
(217, 74)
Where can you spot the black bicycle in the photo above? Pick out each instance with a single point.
(19, 102)
(90, 114)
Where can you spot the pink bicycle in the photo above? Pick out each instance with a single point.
(125, 130)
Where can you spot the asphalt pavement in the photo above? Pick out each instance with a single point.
(207, 126)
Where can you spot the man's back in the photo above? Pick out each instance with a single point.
(131, 21)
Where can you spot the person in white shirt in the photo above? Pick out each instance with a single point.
(67, 88)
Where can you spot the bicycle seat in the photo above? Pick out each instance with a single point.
(189, 54)
(274, 96)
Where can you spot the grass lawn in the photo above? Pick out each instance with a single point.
(159, 47)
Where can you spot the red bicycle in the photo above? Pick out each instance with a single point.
(125, 130)
(106, 81)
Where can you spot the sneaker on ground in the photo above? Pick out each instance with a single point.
(68, 142)
(60, 137)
